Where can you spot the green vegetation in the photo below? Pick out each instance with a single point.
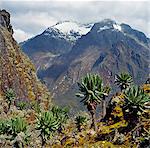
(80, 121)
(61, 114)
(124, 80)
(92, 91)
(19, 126)
(4, 126)
(125, 122)
(15, 130)
(135, 99)
(48, 124)
(22, 105)
(135, 102)
(10, 96)
(51, 121)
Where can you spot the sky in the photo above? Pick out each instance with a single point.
(30, 18)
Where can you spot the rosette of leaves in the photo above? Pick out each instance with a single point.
(123, 80)
(80, 121)
(4, 126)
(134, 105)
(135, 99)
(91, 92)
(22, 105)
(61, 113)
(18, 125)
(19, 128)
(14, 128)
(47, 124)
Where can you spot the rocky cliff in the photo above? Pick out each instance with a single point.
(16, 70)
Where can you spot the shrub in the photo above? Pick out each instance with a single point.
(10, 96)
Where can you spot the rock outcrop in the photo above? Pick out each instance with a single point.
(5, 20)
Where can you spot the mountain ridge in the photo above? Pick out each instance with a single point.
(62, 29)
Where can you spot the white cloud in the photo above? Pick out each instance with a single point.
(33, 21)
(20, 35)
(34, 17)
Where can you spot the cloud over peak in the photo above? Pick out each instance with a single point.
(30, 18)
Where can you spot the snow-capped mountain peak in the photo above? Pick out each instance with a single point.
(69, 30)
(67, 27)
(109, 24)
(117, 27)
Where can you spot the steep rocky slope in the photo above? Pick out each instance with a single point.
(16, 70)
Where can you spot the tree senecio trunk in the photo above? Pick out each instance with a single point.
(79, 128)
(93, 125)
(103, 108)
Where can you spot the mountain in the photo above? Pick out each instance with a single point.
(69, 30)
(107, 48)
(55, 40)
(16, 70)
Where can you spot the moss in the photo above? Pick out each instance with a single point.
(146, 88)
(108, 129)
(106, 144)
(117, 112)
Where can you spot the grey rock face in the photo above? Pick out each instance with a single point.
(5, 20)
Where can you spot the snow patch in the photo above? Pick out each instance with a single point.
(112, 26)
(103, 28)
(117, 27)
(68, 30)
(68, 27)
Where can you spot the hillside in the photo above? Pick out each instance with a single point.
(16, 70)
